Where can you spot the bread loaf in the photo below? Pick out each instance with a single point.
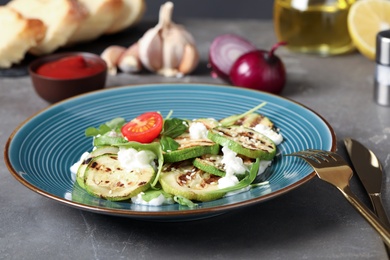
(101, 15)
(131, 14)
(62, 18)
(42, 26)
(18, 35)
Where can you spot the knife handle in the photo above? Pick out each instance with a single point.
(376, 201)
(371, 218)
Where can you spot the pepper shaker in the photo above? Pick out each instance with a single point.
(382, 73)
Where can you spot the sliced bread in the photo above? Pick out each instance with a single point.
(131, 14)
(102, 14)
(18, 35)
(62, 18)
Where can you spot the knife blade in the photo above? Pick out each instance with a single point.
(369, 170)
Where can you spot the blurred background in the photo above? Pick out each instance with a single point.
(251, 9)
(218, 9)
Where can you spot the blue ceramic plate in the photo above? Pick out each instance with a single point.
(40, 152)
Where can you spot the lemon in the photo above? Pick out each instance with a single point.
(365, 19)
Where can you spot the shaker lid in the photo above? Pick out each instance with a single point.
(383, 47)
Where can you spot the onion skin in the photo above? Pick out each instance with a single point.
(224, 51)
(259, 69)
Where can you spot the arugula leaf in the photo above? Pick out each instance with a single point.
(104, 140)
(168, 144)
(233, 119)
(184, 201)
(113, 125)
(116, 123)
(169, 114)
(260, 184)
(174, 127)
(152, 194)
(91, 131)
(244, 182)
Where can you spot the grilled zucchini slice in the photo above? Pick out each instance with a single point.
(105, 178)
(213, 164)
(250, 120)
(189, 148)
(210, 163)
(184, 179)
(94, 153)
(244, 141)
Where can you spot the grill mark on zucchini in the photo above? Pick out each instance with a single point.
(183, 179)
(86, 161)
(189, 148)
(192, 143)
(250, 120)
(185, 141)
(250, 143)
(105, 178)
(244, 141)
(188, 174)
(94, 165)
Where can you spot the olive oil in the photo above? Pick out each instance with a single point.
(313, 26)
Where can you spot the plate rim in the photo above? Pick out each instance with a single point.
(160, 214)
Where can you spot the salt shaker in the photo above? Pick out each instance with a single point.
(382, 73)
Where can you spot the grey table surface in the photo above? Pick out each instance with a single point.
(312, 221)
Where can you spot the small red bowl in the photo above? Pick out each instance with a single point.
(54, 89)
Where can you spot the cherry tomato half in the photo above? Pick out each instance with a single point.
(144, 128)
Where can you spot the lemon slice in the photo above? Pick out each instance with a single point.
(365, 19)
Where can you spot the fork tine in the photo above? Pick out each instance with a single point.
(317, 158)
(308, 156)
(329, 155)
(318, 155)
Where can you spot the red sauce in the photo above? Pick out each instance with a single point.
(70, 68)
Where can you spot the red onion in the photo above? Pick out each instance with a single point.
(225, 50)
(260, 70)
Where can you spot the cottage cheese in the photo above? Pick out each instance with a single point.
(160, 200)
(233, 165)
(277, 138)
(131, 159)
(198, 131)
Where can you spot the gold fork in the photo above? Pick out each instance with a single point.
(332, 168)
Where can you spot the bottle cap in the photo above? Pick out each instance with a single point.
(382, 80)
(383, 47)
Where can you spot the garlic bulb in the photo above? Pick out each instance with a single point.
(168, 48)
(111, 56)
(129, 61)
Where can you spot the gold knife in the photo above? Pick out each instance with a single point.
(369, 170)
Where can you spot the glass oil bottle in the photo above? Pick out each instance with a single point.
(314, 26)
